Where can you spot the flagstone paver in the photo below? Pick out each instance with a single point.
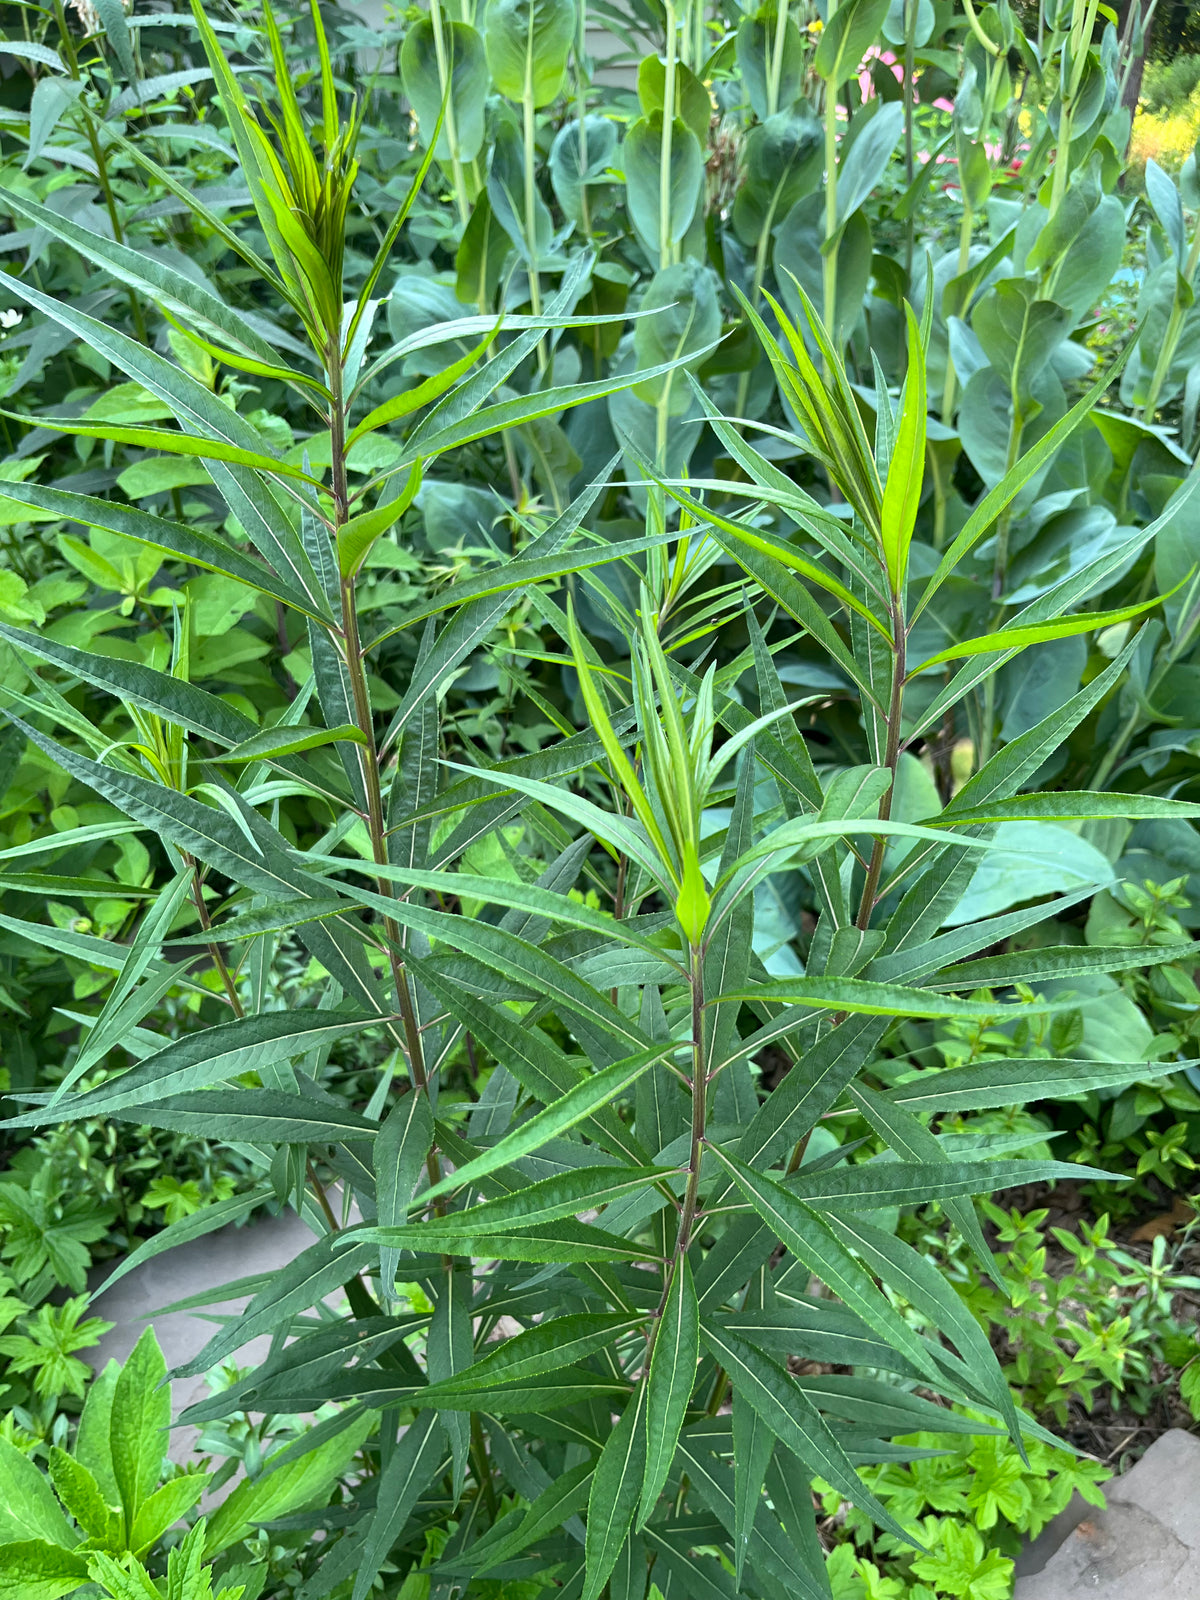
(1145, 1545)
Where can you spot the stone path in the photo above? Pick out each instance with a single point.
(262, 1246)
(1144, 1546)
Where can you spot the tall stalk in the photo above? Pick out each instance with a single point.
(1016, 431)
(1075, 57)
(1170, 343)
(967, 223)
(910, 159)
(444, 74)
(100, 159)
(689, 1210)
(353, 657)
(666, 248)
(581, 100)
(775, 72)
(829, 302)
(891, 760)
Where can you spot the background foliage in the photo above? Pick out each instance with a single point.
(599, 678)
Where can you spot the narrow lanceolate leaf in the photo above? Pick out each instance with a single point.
(252, 1116)
(173, 443)
(524, 1397)
(564, 1499)
(558, 1342)
(158, 692)
(434, 437)
(209, 1056)
(407, 1474)
(126, 1004)
(564, 1195)
(402, 1482)
(623, 835)
(811, 1240)
(190, 300)
(246, 849)
(1014, 1082)
(768, 1553)
(1019, 637)
(787, 591)
(902, 1183)
(398, 1157)
(866, 998)
(191, 544)
(912, 1141)
(198, 410)
(577, 1104)
(741, 538)
(536, 901)
(1061, 961)
(792, 1418)
(1064, 806)
(808, 1090)
(47, 885)
(515, 959)
(266, 744)
(902, 491)
(615, 1491)
(533, 1059)
(669, 1384)
(317, 1271)
(912, 1275)
(273, 918)
(1005, 492)
(566, 1240)
(207, 1220)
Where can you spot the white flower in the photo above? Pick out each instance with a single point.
(9, 319)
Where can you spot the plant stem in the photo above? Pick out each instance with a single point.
(999, 576)
(699, 1103)
(760, 273)
(449, 124)
(991, 48)
(531, 243)
(910, 160)
(1078, 39)
(1166, 354)
(368, 750)
(665, 247)
(829, 307)
(688, 1212)
(214, 949)
(966, 227)
(482, 1470)
(318, 1189)
(581, 102)
(98, 156)
(891, 761)
(775, 74)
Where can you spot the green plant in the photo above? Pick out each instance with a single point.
(106, 1506)
(801, 783)
(1082, 1316)
(45, 1345)
(970, 1502)
(1167, 84)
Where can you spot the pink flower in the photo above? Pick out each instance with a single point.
(866, 87)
